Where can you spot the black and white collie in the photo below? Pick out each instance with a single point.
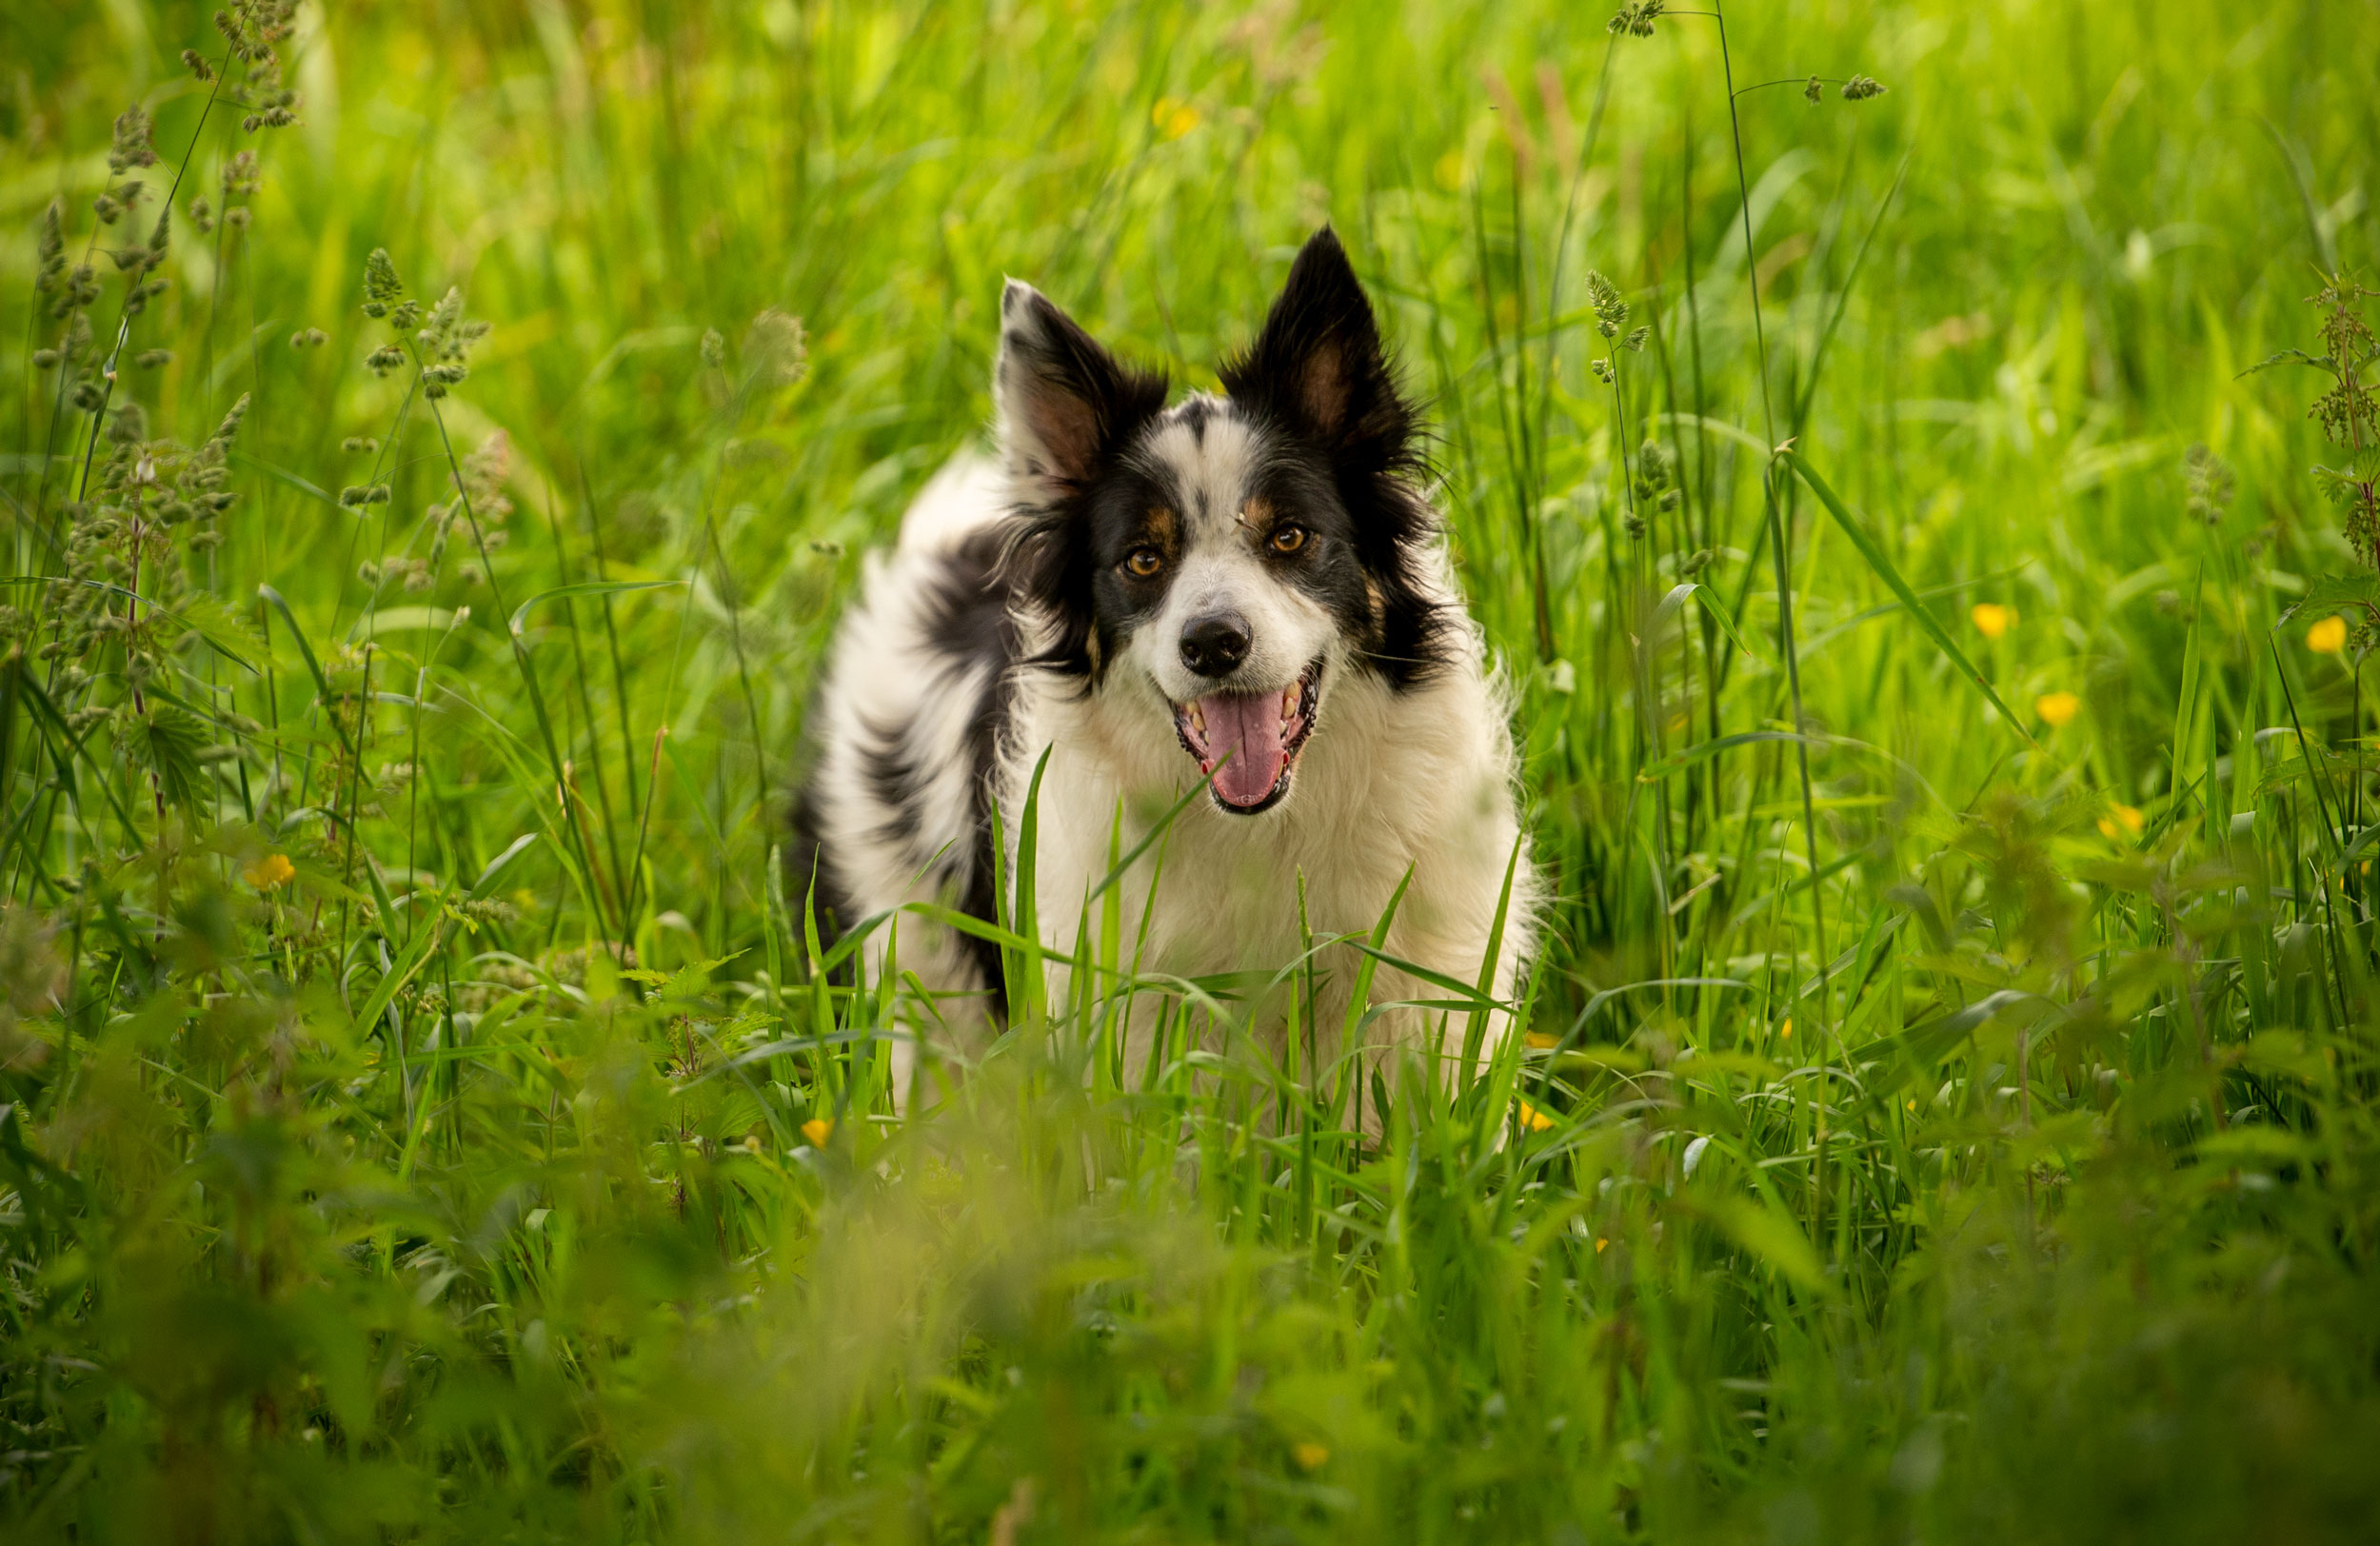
(1247, 590)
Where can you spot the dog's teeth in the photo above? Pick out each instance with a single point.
(1289, 702)
(1198, 719)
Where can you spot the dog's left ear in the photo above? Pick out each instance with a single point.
(1318, 364)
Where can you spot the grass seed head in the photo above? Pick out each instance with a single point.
(1611, 309)
(382, 287)
(1635, 20)
(2208, 484)
(133, 142)
(50, 244)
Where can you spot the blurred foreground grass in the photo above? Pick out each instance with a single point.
(421, 1112)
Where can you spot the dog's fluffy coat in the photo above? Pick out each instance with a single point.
(1248, 590)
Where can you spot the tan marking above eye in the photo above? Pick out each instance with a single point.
(1289, 539)
(1144, 562)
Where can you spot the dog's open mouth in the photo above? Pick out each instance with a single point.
(1248, 742)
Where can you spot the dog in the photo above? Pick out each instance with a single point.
(1247, 592)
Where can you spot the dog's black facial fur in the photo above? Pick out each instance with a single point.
(1075, 408)
(1340, 459)
(1318, 378)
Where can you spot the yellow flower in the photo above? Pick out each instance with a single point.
(1990, 618)
(1600, 1244)
(2120, 819)
(1309, 1454)
(2327, 636)
(1540, 1040)
(1786, 1029)
(2057, 707)
(269, 872)
(1174, 118)
(1534, 1119)
(818, 1130)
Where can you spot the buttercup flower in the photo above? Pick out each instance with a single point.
(2121, 820)
(2327, 636)
(2057, 707)
(1990, 618)
(269, 873)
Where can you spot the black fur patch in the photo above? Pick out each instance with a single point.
(968, 619)
(810, 873)
(1052, 564)
(1317, 377)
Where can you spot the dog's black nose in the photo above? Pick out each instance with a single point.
(1215, 644)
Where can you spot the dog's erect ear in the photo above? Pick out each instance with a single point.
(1318, 363)
(1065, 404)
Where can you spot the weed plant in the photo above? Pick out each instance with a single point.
(440, 442)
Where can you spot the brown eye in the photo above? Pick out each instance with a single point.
(1144, 562)
(1289, 539)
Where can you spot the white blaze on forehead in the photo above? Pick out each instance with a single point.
(1207, 454)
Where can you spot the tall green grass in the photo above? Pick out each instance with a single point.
(426, 1109)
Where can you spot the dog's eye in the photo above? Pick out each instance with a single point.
(1144, 562)
(1289, 539)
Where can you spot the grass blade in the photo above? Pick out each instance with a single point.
(1900, 587)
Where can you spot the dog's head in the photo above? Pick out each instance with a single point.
(1230, 558)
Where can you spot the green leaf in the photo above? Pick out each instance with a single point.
(1891, 577)
(283, 475)
(1703, 751)
(1928, 1043)
(390, 619)
(314, 667)
(1773, 1237)
(2329, 592)
(166, 742)
(409, 962)
(591, 588)
(497, 866)
(2185, 707)
(2321, 362)
(1711, 603)
(226, 631)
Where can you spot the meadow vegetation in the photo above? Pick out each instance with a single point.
(1925, 525)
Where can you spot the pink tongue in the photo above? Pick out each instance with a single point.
(1250, 729)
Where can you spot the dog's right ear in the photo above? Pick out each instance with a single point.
(1065, 404)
